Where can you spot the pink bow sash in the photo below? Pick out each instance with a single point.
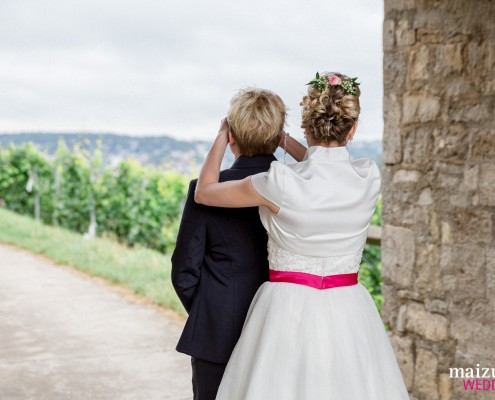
(315, 281)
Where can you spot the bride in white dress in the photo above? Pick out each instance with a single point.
(312, 332)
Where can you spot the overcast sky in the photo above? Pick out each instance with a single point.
(171, 67)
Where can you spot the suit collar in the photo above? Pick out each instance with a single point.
(253, 162)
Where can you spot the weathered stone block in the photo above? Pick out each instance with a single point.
(472, 225)
(419, 107)
(428, 277)
(394, 69)
(401, 319)
(449, 167)
(448, 176)
(399, 5)
(462, 267)
(418, 61)
(434, 327)
(436, 306)
(487, 184)
(457, 89)
(448, 181)
(426, 374)
(467, 226)
(397, 214)
(430, 36)
(490, 55)
(409, 294)
(472, 112)
(405, 193)
(490, 273)
(445, 387)
(425, 198)
(388, 34)
(392, 152)
(483, 145)
(480, 347)
(404, 34)
(449, 59)
(475, 56)
(418, 145)
(425, 226)
(446, 232)
(404, 352)
(471, 176)
(392, 146)
(489, 87)
(452, 144)
(406, 176)
(463, 328)
(460, 199)
(398, 254)
(390, 305)
(433, 228)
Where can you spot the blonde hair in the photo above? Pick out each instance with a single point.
(329, 115)
(256, 119)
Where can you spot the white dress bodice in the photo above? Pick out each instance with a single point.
(326, 203)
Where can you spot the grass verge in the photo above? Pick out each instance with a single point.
(145, 272)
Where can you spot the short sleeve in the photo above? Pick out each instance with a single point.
(270, 184)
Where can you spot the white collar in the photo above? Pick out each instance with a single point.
(327, 153)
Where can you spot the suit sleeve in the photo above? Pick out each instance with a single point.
(189, 252)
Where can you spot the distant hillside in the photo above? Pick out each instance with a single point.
(181, 155)
(148, 150)
(371, 149)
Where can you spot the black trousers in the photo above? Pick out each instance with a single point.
(206, 378)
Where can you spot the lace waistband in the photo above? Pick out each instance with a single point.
(284, 260)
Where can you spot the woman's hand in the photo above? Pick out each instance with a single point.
(224, 129)
(222, 139)
(292, 146)
(211, 168)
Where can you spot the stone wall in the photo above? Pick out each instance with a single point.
(439, 191)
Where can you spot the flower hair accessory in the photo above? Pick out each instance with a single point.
(321, 82)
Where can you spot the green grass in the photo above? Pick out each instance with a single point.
(145, 272)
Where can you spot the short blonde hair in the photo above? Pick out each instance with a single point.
(256, 119)
(330, 114)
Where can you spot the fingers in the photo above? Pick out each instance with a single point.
(224, 123)
(224, 128)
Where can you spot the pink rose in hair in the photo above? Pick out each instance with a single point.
(334, 80)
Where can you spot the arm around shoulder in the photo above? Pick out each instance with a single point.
(233, 194)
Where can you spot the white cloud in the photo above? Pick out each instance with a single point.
(171, 67)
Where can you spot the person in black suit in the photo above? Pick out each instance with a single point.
(220, 259)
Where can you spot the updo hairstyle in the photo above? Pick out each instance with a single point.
(329, 115)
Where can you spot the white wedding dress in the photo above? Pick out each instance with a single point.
(302, 343)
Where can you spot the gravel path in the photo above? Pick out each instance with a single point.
(66, 336)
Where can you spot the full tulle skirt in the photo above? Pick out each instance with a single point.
(301, 343)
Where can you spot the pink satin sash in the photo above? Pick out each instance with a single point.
(315, 281)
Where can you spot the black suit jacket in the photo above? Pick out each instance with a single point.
(219, 263)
